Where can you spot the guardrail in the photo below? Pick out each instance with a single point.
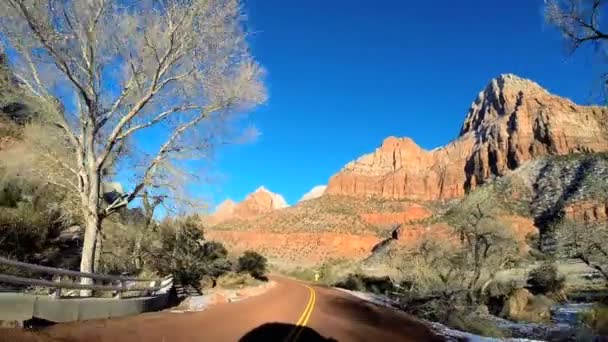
(124, 284)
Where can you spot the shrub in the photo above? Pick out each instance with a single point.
(352, 282)
(214, 250)
(232, 280)
(180, 251)
(253, 263)
(597, 319)
(29, 233)
(301, 273)
(545, 279)
(359, 282)
(217, 267)
(475, 325)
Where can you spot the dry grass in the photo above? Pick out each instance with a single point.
(233, 281)
(338, 214)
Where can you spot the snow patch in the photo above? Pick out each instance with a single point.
(448, 333)
(315, 192)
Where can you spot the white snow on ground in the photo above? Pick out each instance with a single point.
(439, 329)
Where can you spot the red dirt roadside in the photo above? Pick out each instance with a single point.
(332, 315)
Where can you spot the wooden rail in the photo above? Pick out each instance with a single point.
(154, 287)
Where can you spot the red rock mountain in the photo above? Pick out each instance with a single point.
(510, 122)
(259, 202)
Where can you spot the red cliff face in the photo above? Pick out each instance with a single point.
(512, 121)
(588, 211)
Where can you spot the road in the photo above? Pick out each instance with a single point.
(290, 312)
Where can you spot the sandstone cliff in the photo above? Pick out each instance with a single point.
(510, 122)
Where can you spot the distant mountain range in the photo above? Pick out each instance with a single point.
(512, 122)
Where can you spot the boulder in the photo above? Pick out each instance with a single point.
(522, 305)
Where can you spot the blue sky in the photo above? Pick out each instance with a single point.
(345, 74)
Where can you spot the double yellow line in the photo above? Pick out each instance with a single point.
(304, 318)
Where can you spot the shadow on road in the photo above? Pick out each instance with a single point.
(360, 312)
(271, 332)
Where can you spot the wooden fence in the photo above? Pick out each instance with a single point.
(118, 284)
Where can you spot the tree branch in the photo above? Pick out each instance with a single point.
(160, 117)
(163, 151)
(60, 62)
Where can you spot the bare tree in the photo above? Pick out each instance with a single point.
(110, 70)
(587, 242)
(582, 23)
(481, 246)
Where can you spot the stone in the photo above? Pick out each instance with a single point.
(524, 306)
(512, 121)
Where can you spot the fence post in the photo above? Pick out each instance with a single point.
(152, 285)
(166, 284)
(119, 292)
(57, 292)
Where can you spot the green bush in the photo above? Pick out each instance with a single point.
(180, 251)
(545, 279)
(214, 250)
(253, 263)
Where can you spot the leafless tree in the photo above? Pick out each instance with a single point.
(481, 246)
(587, 242)
(109, 70)
(581, 22)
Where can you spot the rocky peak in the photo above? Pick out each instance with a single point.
(503, 95)
(393, 143)
(226, 207)
(265, 199)
(260, 201)
(513, 120)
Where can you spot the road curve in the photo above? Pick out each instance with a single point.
(289, 312)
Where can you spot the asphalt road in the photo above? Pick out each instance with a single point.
(289, 312)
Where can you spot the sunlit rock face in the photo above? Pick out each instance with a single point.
(513, 120)
(259, 202)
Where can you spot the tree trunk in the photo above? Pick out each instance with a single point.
(139, 263)
(92, 222)
(98, 250)
(87, 260)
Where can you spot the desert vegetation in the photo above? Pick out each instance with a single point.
(485, 276)
(65, 136)
(172, 70)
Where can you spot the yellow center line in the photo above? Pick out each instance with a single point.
(304, 318)
(303, 324)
